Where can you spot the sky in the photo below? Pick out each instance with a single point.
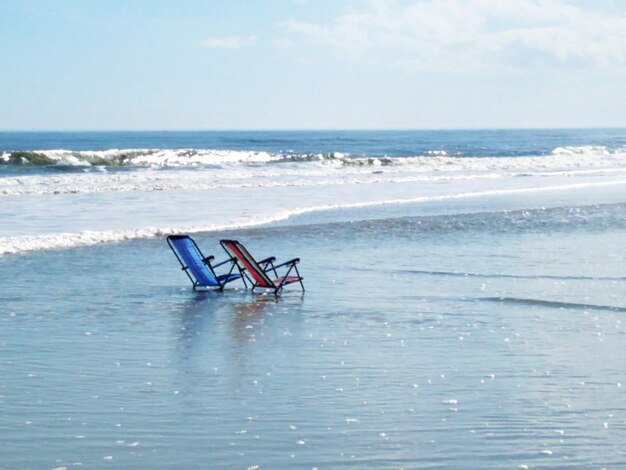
(311, 64)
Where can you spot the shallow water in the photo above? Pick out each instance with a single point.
(490, 339)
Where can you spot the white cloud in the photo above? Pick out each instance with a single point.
(284, 42)
(472, 34)
(228, 42)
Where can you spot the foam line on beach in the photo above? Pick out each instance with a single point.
(91, 183)
(20, 244)
(157, 181)
(508, 276)
(553, 304)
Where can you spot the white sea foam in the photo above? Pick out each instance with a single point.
(159, 157)
(582, 150)
(238, 169)
(19, 244)
(144, 157)
(165, 191)
(89, 183)
(202, 157)
(162, 181)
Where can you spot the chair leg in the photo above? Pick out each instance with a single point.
(242, 274)
(274, 269)
(299, 278)
(222, 285)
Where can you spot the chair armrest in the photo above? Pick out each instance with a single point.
(271, 259)
(231, 260)
(208, 259)
(287, 263)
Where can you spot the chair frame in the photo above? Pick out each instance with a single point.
(206, 260)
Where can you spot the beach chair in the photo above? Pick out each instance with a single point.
(257, 272)
(198, 268)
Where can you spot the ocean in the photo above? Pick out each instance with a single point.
(465, 299)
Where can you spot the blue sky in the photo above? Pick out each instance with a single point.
(311, 64)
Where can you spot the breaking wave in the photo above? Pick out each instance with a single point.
(143, 158)
(146, 158)
(76, 172)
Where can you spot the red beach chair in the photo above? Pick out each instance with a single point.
(257, 272)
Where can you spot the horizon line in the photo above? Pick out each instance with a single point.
(321, 129)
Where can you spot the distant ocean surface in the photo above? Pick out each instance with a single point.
(468, 143)
(466, 293)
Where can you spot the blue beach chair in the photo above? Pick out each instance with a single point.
(198, 268)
